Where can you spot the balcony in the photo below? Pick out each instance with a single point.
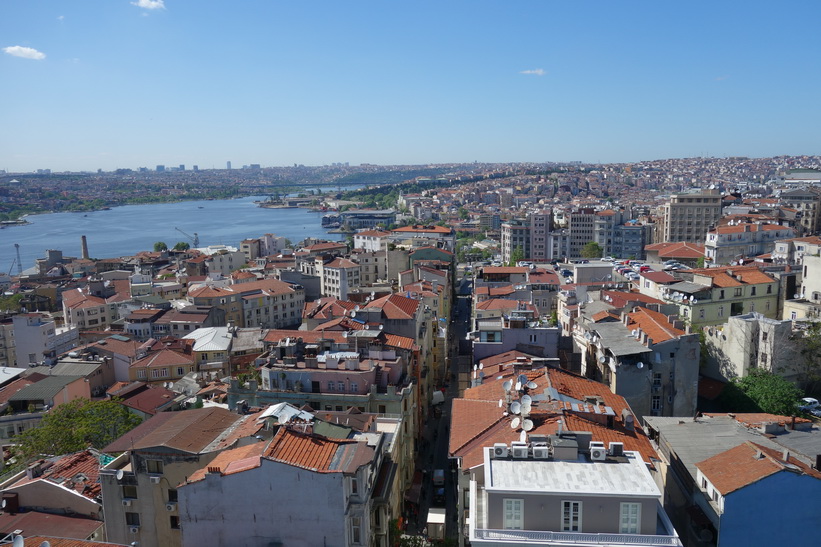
(571, 538)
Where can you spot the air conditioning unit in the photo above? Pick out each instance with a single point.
(541, 451)
(126, 503)
(170, 506)
(500, 450)
(656, 389)
(597, 451)
(598, 454)
(519, 449)
(155, 479)
(134, 529)
(617, 449)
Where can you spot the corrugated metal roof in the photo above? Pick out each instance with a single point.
(45, 389)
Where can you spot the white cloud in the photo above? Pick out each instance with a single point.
(61, 17)
(25, 52)
(534, 72)
(150, 4)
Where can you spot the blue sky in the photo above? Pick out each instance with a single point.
(90, 84)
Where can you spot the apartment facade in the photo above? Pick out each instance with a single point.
(688, 217)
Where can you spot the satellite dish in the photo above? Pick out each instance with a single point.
(532, 385)
(355, 308)
(518, 386)
(45, 544)
(381, 327)
(475, 368)
(353, 314)
(344, 334)
(523, 437)
(602, 359)
(527, 425)
(18, 542)
(639, 365)
(514, 423)
(501, 403)
(694, 301)
(507, 385)
(120, 474)
(522, 379)
(515, 407)
(195, 376)
(367, 327)
(481, 366)
(796, 295)
(526, 400)
(3, 505)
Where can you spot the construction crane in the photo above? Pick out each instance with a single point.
(195, 239)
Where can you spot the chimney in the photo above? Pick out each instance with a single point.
(84, 245)
(786, 455)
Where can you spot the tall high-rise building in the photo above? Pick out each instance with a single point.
(688, 217)
(228, 165)
(540, 225)
(515, 234)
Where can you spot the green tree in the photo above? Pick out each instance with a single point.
(516, 256)
(770, 392)
(810, 367)
(463, 213)
(182, 246)
(591, 250)
(75, 426)
(160, 246)
(700, 262)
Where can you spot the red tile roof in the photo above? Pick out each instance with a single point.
(395, 306)
(232, 461)
(748, 463)
(317, 453)
(655, 324)
(679, 249)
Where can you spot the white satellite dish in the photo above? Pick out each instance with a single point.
(522, 379)
(639, 365)
(507, 385)
(353, 314)
(367, 327)
(514, 423)
(120, 474)
(475, 368)
(694, 301)
(526, 400)
(527, 425)
(356, 308)
(532, 385)
(481, 366)
(602, 359)
(515, 407)
(45, 544)
(3, 504)
(518, 386)
(344, 334)
(523, 437)
(501, 403)
(381, 327)
(796, 295)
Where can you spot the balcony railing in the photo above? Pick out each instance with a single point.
(564, 538)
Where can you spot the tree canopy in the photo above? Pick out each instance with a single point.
(75, 426)
(182, 246)
(591, 250)
(516, 256)
(160, 246)
(761, 391)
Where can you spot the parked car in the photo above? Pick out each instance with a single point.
(809, 404)
(645, 268)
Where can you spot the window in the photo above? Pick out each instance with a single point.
(172, 494)
(154, 466)
(354, 387)
(630, 518)
(354, 486)
(130, 491)
(132, 519)
(769, 289)
(701, 313)
(356, 529)
(571, 516)
(341, 386)
(174, 522)
(513, 514)
(141, 373)
(752, 291)
(331, 386)
(656, 403)
(180, 371)
(721, 311)
(721, 294)
(656, 378)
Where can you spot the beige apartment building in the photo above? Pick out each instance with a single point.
(688, 217)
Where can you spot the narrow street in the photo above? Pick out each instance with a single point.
(433, 449)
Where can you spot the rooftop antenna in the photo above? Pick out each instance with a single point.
(527, 425)
(120, 474)
(515, 407)
(507, 385)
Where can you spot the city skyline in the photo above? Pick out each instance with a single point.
(127, 84)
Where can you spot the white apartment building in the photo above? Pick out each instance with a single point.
(39, 339)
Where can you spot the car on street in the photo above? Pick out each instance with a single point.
(810, 405)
